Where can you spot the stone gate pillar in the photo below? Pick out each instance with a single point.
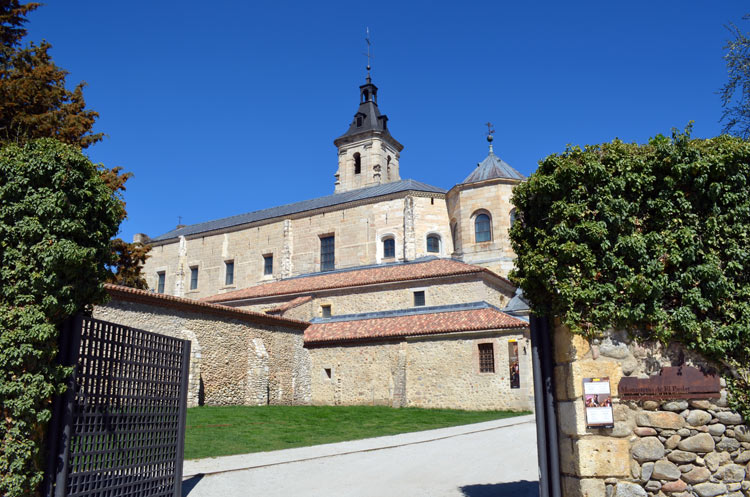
(659, 446)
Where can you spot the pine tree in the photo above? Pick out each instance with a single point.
(35, 103)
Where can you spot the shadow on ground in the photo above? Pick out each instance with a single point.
(511, 489)
(189, 484)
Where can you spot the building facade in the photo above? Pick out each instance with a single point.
(403, 284)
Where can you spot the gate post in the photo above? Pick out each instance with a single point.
(546, 419)
(183, 418)
(59, 431)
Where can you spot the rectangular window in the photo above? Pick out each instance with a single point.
(194, 278)
(325, 311)
(160, 285)
(268, 264)
(486, 358)
(229, 273)
(515, 376)
(419, 298)
(327, 262)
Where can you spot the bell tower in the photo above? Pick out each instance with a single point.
(368, 154)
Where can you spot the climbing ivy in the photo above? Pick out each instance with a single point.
(57, 216)
(651, 238)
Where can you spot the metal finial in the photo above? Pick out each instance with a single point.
(490, 131)
(369, 55)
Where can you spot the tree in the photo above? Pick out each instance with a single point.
(735, 94)
(650, 238)
(57, 216)
(35, 103)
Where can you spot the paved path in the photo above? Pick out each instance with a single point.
(496, 458)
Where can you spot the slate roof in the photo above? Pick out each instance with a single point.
(493, 167)
(517, 305)
(161, 300)
(305, 205)
(427, 267)
(476, 316)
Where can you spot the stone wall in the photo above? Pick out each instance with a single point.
(394, 296)
(492, 197)
(681, 448)
(233, 361)
(439, 371)
(294, 244)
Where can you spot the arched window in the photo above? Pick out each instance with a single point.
(433, 244)
(482, 229)
(389, 248)
(513, 217)
(357, 163)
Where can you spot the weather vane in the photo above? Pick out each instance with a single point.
(368, 54)
(490, 131)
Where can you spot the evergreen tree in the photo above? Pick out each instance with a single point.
(35, 103)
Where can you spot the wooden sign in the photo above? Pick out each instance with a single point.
(673, 382)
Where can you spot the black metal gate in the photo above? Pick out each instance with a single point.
(120, 427)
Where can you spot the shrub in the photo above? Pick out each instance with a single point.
(651, 238)
(56, 219)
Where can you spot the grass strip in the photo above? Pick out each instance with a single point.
(226, 430)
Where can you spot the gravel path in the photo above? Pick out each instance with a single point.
(497, 458)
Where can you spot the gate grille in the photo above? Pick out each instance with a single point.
(126, 413)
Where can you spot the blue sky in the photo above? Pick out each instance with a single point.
(220, 108)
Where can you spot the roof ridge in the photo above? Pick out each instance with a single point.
(436, 309)
(160, 298)
(331, 200)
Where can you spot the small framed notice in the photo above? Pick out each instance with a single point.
(598, 403)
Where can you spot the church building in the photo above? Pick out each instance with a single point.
(404, 284)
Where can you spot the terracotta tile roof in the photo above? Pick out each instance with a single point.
(161, 300)
(281, 309)
(416, 270)
(479, 318)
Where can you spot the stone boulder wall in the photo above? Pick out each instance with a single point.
(660, 448)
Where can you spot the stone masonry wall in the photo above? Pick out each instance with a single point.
(430, 372)
(294, 244)
(233, 362)
(679, 448)
(444, 291)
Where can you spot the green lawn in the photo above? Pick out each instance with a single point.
(221, 431)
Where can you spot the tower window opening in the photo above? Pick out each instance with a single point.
(365, 96)
(359, 121)
(357, 163)
(482, 231)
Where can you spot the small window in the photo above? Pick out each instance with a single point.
(389, 247)
(194, 278)
(268, 264)
(419, 298)
(327, 261)
(433, 244)
(515, 376)
(325, 311)
(486, 358)
(161, 279)
(357, 163)
(482, 231)
(229, 272)
(327, 372)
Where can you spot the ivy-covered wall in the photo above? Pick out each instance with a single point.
(56, 219)
(653, 239)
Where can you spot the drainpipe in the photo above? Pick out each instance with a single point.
(546, 419)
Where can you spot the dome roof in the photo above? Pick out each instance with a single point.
(493, 167)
